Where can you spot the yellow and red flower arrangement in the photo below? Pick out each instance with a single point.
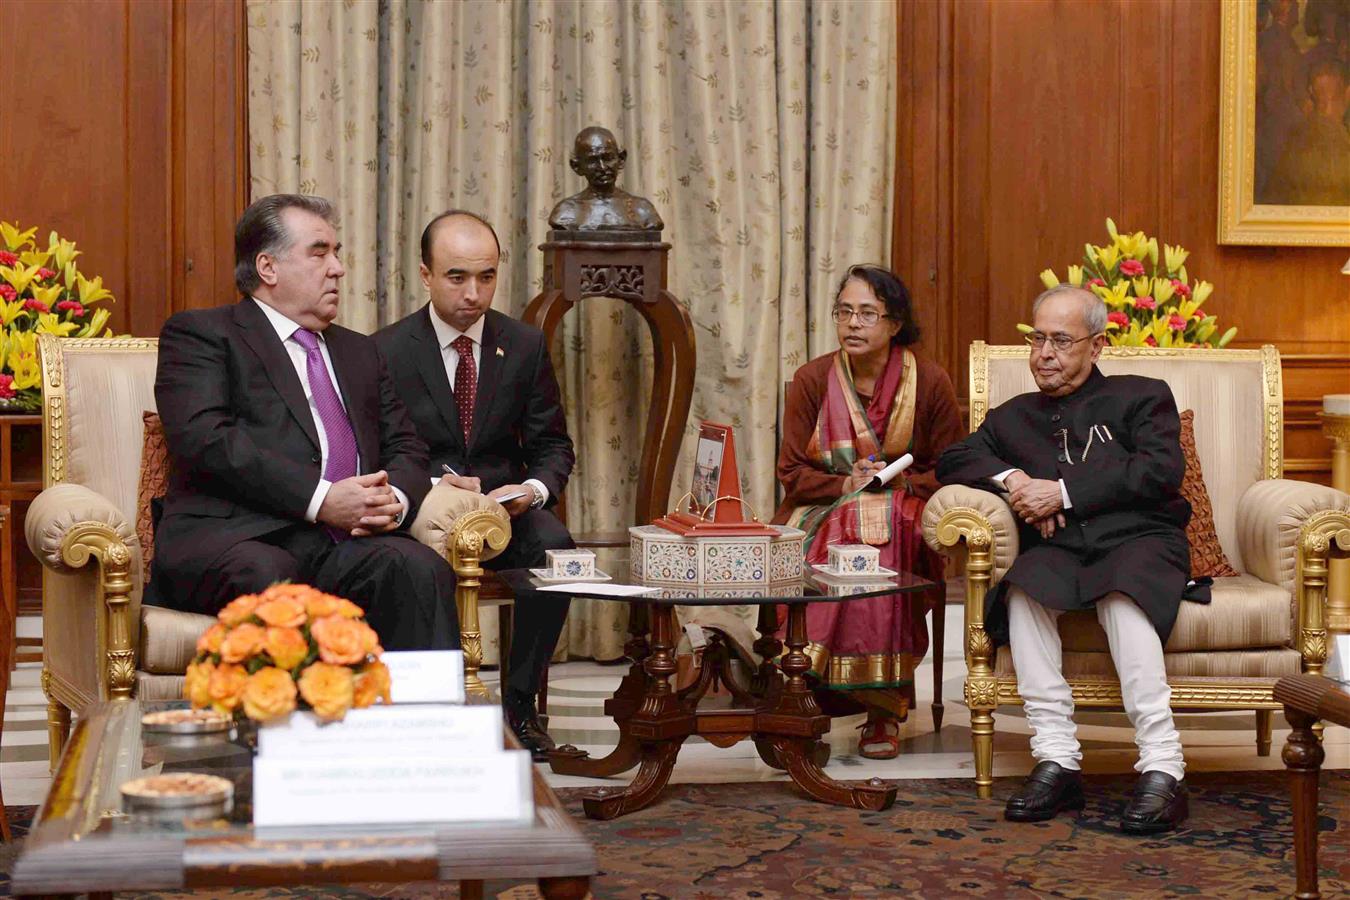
(289, 647)
(1148, 305)
(41, 292)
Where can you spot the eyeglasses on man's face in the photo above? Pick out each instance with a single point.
(1061, 342)
(866, 317)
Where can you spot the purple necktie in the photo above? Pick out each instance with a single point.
(337, 428)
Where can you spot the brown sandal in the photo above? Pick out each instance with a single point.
(883, 736)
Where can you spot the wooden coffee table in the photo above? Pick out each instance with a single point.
(774, 705)
(1308, 699)
(81, 841)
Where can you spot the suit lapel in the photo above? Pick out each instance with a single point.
(431, 366)
(350, 386)
(258, 334)
(489, 373)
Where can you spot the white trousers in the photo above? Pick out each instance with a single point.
(1137, 652)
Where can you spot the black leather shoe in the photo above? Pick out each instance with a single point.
(1049, 789)
(523, 720)
(1160, 803)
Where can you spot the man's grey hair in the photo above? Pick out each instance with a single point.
(262, 230)
(1094, 307)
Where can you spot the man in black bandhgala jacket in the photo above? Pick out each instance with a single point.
(291, 456)
(1092, 465)
(481, 391)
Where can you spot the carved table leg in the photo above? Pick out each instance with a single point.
(1303, 755)
(471, 890)
(660, 727)
(795, 746)
(567, 759)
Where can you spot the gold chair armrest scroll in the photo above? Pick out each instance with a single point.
(466, 529)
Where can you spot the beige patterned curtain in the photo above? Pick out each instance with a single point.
(762, 131)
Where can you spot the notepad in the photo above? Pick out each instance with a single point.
(883, 478)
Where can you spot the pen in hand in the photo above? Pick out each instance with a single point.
(449, 471)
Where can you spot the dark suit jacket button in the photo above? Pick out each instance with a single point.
(1055, 417)
(315, 458)
(1063, 458)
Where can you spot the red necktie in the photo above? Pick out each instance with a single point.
(466, 383)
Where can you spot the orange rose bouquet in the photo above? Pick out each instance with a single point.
(290, 647)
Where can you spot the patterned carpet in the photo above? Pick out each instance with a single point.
(767, 841)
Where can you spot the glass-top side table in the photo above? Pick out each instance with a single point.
(774, 706)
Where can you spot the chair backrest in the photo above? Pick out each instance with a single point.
(1237, 396)
(94, 391)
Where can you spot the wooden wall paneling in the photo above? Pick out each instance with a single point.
(145, 191)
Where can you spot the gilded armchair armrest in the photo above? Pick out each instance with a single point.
(1287, 533)
(67, 527)
(466, 529)
(958, 514)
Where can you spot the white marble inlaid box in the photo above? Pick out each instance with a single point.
(854, 559)
(659, 556)
(571, 563)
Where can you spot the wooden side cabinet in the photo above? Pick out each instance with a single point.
(20, 483)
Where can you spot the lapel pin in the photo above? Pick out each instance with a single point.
(501, 352)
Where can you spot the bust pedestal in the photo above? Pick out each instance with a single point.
(1336, 426)
(629, 266)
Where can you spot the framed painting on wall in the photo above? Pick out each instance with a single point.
(1284, 140)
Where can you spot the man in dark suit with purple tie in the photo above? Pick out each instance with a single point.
(481, 390)
(291, 456)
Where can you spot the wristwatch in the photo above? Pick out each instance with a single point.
(538, 500)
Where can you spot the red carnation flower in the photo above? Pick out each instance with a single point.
(1151, 341)
(1146, 303)
(46, 274)
(37, 305)
(73, 305)
(6, 387)
(1176, 323)
(1119, 318)
(1096, 282)
(7, 291)
(7, 258)
(1131, 267)
(1181, 288)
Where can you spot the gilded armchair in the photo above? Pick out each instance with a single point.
(1267, 622)
(99, 642)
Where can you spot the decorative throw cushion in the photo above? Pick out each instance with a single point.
(1207, 556)
(154, 483)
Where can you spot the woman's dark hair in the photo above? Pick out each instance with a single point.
(891, 291)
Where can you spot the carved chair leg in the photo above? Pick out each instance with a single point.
(937, 649)
(58, 729)
(1265, 722)
(982, 739)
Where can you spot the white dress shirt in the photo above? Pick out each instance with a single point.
(446, 335)
(286, 329)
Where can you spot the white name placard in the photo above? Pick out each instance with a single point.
(362, 790)
(420, 729)
(425, 676)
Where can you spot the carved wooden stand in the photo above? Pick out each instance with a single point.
(775, 708)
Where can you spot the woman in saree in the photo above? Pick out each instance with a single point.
(848, 414)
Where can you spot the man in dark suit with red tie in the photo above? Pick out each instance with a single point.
(481, 390)
(291, 456)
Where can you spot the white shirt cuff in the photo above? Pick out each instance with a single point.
(1064, 495)
(1002, 475)
(543, 492)
(315, 502)
(402, 498)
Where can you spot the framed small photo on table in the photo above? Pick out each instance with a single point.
(708, 460)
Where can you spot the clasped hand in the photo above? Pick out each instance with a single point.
(362, 505)
(1038, 501)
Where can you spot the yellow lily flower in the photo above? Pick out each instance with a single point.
(1162, 290)
(1141, 286)
(9, 311)
(95, 323)
(1111, 227)
(1108, 257)
(35, 257)
(46, 295)
(1227, 336)
(1201, 291)
(92, 291)
(68, 276)
(1153, 251)
(1075, 275)
(13, 237)
(1116, 296)
(1048, 279)
(25, 369)
(50, 323)
(63, 250)
(1187, 308)
(1090, 252)
(1175, 257)
(22, 342)
(19, 276)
